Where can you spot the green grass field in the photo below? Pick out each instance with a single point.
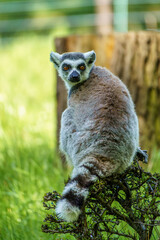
(29, 166)
(28, 163)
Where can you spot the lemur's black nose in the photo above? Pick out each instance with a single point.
(74, 77)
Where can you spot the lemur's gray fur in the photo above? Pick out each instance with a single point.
(99, 129)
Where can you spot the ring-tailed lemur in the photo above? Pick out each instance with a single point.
(99, 129)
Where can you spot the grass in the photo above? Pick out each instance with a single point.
(28, 162)
(29, 166)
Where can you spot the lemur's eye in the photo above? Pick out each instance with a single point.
(82, 67)
(66, 67)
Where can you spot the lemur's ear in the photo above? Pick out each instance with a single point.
(55, 58)
(90, 57)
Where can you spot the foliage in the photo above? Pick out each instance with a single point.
(125, 206)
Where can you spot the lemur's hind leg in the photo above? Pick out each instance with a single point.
(76, 190)
(142, 155)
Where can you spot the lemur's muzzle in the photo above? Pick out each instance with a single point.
(74, 77)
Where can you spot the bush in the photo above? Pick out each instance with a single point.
(125, 206)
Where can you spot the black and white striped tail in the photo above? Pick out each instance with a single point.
(76, 191)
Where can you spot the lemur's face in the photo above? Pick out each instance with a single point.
(73, 67)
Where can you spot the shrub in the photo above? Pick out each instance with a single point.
(125, 206)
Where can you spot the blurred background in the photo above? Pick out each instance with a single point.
(73, 16)
(29, 165)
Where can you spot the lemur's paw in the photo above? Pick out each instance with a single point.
(67, 211)
(142, 155)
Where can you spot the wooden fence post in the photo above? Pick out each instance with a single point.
(104, 16)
